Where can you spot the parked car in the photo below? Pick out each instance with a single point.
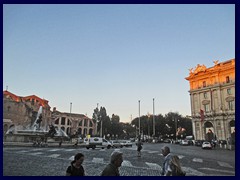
(116, 144)
(126, 143)
(94, 142)
(184, 142)
(198, 142)
(167, 141)
(206, 145)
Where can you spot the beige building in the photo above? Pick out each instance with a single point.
(212, 92)
(73, 123)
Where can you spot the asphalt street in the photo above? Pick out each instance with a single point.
(53, 161)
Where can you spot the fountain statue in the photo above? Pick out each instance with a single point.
(35, 131)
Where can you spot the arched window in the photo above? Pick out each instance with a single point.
(69, 123)
(56, 121)
(85, 122)
(63, 120)
(90, 124)
(80, 123)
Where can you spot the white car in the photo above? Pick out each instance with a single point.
(184, 142)
(126, 143)
(116, 144)
(206, 145)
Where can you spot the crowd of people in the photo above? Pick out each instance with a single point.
(171, 163)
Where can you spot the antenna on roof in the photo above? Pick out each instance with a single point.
(6, 88)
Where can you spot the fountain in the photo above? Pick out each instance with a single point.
(35, 133)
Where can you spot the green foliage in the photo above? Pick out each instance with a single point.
(165, 126)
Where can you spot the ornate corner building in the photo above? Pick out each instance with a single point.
(212, 95)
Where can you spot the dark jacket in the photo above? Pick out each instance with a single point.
(139, 146)
(110, 170)
(75, 171)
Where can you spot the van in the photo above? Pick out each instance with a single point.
(94, 142)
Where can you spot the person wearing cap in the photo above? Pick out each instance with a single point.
(76, 169)
(166, 169)
(115, 162)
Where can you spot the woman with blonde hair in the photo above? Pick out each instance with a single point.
(176, 167)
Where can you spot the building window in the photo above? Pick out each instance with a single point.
(91, 124)
(230, 105)
(80, 123)
(57, 121)
(229, 91)
(85, 122)
(204, 83)
(69, 123)
(8, 108)
(206, 108)
(227, 79)
(62, 120)
(205, 95)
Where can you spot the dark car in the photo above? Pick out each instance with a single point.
(198, 142)
(167, 141)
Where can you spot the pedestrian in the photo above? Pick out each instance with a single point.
(115, 162)
(139, 147)
(175, 166)
(76, 169)
(76, 143)
(166, 163)
(60, 143)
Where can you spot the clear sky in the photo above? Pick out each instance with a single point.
(113, 55)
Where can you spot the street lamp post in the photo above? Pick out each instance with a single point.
(148, 125)
(70, 114)
(70, 108)
(139, 129)
(153, 119)
(101, 135)
(175, 121)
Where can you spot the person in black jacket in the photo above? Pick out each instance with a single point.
(76, 169)
(139, 147)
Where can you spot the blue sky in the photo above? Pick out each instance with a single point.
(113, 55)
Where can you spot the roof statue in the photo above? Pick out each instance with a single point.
(197, 69)
(216, 62)
(200, 68)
